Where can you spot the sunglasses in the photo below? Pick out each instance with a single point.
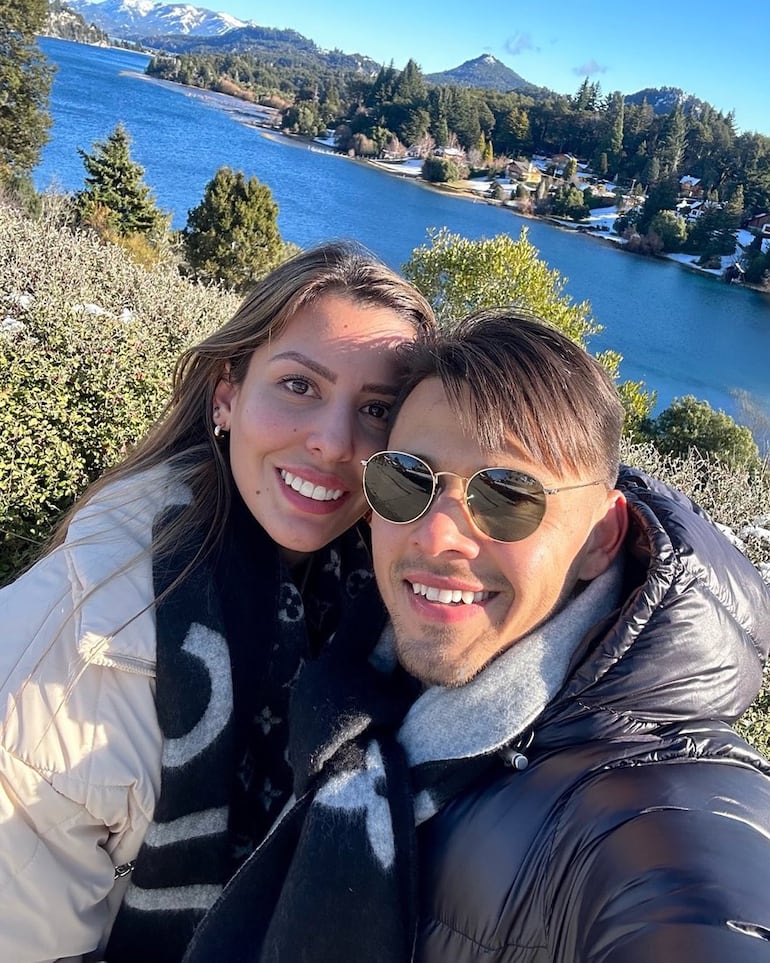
(505, 504)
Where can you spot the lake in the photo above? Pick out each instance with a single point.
(678, 331)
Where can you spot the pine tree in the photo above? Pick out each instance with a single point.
(410, 87)
(115, 197)
(25, 82)
(232, 235)
(615, 118)
(673, 141)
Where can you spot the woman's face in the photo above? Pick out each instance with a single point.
(313, 404)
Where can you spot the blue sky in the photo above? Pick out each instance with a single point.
(717, 51)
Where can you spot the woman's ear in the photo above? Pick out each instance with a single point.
(224, 396)
(607, 536)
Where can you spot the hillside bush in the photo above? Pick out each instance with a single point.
(738, 499)
(670, 228)
(689, 423)
(88, 341)
(441, 170)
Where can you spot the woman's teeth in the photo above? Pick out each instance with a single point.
(317, 492)
(448, 596)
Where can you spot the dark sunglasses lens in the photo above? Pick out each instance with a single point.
(398, 487)
(506, 505)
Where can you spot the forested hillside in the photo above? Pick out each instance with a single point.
(630, 142)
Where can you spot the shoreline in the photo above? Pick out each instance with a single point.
(253, 115)
(467, 194)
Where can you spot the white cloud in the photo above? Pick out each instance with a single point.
(519, 43)
(589, 68)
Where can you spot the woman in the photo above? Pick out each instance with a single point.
(148, 656)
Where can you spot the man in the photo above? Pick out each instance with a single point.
(571, 648)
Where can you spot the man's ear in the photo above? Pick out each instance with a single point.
(607, 536)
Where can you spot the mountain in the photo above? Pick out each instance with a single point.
(664, 99)
(181, 28)
(66, 24)
(137, 19)
(288, 45)
(486, 72)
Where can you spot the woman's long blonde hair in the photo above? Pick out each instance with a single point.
(183, 435)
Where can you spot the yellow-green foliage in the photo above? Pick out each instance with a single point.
(458, 275)
(88, 340)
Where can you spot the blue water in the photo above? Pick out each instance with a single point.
(679, 332)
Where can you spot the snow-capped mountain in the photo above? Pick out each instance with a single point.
(132, 19)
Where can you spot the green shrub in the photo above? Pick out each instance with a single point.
(670, 228)
(88, 341)
(688, 423)
(568, 201)
(440, 170)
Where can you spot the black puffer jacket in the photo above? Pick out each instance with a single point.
(640, 831)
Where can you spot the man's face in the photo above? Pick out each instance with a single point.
(508, 588)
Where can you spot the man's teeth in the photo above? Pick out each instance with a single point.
(317, 492)
(448, 596)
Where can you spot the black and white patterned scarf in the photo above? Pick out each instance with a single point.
(231, 640)
(335, 880)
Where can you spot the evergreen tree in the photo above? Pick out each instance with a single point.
(232, 235)
(441, 132)
(651, 171)
(615, 119)
(513, 134)
(410, 87)
(587, 96)
(673, 141)
(415, 126)
(383, 86)
(25, 82)
(735, 206)
(661, 196)
(463, 117)
(570, 169)
(602, 165)
(115, 196)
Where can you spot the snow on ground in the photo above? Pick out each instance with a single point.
(409, 167)
(600, 222)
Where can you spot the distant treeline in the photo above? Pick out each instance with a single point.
(630, 143)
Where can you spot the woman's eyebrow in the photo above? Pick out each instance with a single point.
(329, 375)
(319, 369)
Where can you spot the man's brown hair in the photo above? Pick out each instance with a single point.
(525, 381)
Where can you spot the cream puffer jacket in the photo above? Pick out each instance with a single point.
(80, 746)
